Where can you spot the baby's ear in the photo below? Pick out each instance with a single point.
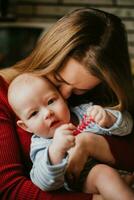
(22, 125)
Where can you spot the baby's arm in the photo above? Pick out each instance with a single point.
(63, 140)
(111, 121)
(48, 172)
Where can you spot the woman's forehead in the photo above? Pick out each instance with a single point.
(75, 74)
(72, 69)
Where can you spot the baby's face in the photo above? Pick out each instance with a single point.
(42, 109)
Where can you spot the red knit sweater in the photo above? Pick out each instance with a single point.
(15, 163)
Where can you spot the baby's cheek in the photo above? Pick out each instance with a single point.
(36, 127)
(64, 114)
(68, 116)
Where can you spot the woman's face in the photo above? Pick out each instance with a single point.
(73, 78)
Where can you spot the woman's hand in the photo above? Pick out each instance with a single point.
(78, 156)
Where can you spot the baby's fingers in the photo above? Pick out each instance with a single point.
(71, 126)
(71, 140)
(68, 126)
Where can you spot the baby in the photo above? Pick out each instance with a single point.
(42, 111)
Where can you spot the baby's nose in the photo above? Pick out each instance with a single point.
(48, 113)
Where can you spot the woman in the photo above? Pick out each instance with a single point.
(85, 51)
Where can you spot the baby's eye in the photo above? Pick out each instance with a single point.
(33, 114)
(50, 101)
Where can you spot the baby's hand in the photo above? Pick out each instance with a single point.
(63, 140)
(102, 117)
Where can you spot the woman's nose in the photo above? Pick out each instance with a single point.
(66, 90)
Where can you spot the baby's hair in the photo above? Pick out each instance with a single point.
(17, 85)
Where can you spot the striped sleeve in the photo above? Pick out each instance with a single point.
(44, 175)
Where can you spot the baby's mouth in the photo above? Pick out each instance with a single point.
(54, 124)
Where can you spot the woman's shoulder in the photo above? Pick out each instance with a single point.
(3, 90)
(4, 105)
(3, 87)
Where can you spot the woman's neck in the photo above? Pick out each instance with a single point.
(8, 74)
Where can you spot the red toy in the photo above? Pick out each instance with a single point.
(86, 121)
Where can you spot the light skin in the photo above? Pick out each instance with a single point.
(102, 117)
(71, 81)
(104, 180)
(42, 110)
(79, 81)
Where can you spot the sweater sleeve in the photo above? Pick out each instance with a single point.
(122, 126)
(46, 176)
(13, 181)
(14, 177)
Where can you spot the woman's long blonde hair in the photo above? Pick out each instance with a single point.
(98, 41)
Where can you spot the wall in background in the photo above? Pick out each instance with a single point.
(51, 10)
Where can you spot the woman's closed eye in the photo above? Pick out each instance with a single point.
(58, 78)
